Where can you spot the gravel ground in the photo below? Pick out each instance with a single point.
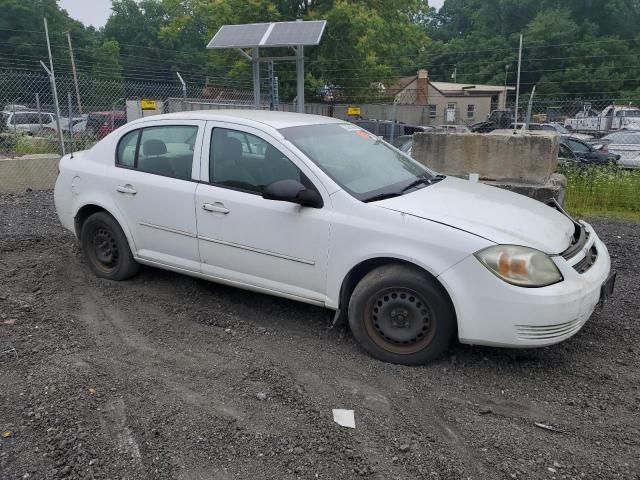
(167, 376)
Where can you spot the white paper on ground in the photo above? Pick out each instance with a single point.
(344, 418)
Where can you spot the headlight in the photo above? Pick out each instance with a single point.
(521, 266)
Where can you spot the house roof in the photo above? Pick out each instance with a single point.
(459, 87)
(410, 82)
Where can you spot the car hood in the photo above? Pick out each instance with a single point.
(495, 214)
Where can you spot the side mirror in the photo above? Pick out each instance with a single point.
(294, 192)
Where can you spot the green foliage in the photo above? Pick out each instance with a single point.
(603, 191)
(572, 47)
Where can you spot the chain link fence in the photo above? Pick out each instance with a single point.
(600, 137)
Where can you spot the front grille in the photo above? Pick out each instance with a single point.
(587, 262)
(547, 332)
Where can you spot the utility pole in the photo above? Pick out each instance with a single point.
(52, 78)
(75, 74)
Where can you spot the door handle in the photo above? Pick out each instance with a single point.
(216, 207)
(126, 189)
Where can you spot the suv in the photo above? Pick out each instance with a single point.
(28, 122)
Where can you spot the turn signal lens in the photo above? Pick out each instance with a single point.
(521, 266)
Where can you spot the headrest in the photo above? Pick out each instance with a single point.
(154, 147)
(232, 148)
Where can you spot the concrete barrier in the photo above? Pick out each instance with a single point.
(521, 158)
(35, 172)
(523, 163)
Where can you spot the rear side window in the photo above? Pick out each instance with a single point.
(166, 150)
(127, 149)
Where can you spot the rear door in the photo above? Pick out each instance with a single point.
(154, 187)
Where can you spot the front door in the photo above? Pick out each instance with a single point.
(154, 188)
(277, 246)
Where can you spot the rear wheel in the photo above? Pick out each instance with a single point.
(106, 248)
(401, 315)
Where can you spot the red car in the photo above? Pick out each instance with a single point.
(101, 124)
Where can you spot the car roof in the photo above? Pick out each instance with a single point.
(274, 119)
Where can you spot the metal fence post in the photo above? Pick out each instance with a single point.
(184, 92)
(13, 118)
(52, 78)
(39, 110)
(70, 121)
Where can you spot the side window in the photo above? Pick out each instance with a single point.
(166, 151)
(127, 149)
(246, 162)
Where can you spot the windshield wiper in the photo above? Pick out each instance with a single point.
(423, 180)
(382, 196)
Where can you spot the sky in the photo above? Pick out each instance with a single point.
(96, 12)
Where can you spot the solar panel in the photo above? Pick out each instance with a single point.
(295, 33)
(239, 36)
(279, 34)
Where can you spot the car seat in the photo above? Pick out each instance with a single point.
(153, 160)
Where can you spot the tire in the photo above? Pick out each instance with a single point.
(106, 248)
(401, 315)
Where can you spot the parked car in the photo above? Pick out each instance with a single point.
(319, 210)
(577, 152)
(100, 124)
(77, 125)
(626, 145)
(28, 122)
(553, 127)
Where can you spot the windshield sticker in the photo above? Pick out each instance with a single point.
(363, 134)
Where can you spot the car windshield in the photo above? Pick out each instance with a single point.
(366, 167)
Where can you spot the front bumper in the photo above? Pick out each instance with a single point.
(493, 312)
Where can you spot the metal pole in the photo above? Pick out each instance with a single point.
(75, 75)
(184, 91)
(300, 77)
(70, 121)
(255, 58)
(515, 121)
(393, 120)
(528, 119)
(271, 86)
(506, 92)
(13, 118)
(52, 77)
(39, 110)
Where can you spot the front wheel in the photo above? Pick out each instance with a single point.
(401, 315)
(106, 248)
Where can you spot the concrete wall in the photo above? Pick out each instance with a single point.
(35, 172)
(521, 158)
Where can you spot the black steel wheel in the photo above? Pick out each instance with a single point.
(106, 248)
(400, 314)
(104, 251)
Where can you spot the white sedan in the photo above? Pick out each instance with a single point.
(319, 210)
